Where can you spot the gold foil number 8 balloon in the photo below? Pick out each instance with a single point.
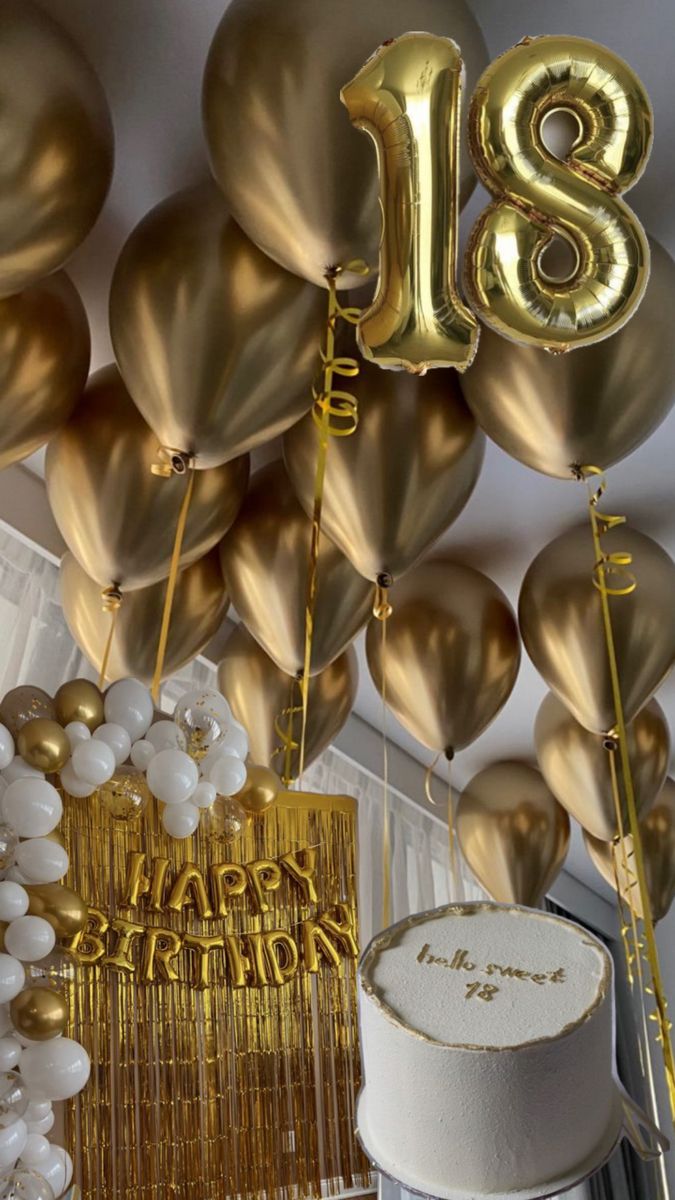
(539, 196)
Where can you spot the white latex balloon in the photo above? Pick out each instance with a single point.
(32, 806)
(77, 731)
(172, 776)
(5, 1020)
(18, 769)
(16, 876)
(142, 752)
(6, 747)
(37, 1110)
(10, 1052)
(228, 775)
(129, 703)
(93, 761)
(13, 1138)
(203, 795)
(12, 978)
(42, 1124)
(30, 938)
(72, 783)
(236, 738)
(117, 738)
(14, 900)
(216, 752)
(36, 1150)
(55, 1070)
(57, 1169)
(41, 860)
(165, 735)
(180, 820)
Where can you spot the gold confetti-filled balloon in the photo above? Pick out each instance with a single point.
(23, 704)
(225, 820)
(126, 794)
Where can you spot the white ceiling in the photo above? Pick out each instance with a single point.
(150, 54)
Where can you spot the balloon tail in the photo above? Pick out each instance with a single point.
(382, 610)
(175, 566)
(287, 743)
(456, 883)
(111, 600)
(607, 565)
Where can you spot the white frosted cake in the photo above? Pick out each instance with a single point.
(487, 1039)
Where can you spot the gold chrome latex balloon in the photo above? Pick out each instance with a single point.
(57, 146)
(561, 623)
(79, 700)
(407, 96)
(260, 696)
(452, 653)
(657, 830)
(199, 606)
(557, 411)
(44, 360)
(260, 790)
(65, 911)
(43, 744)
(116, 516)
(265, 563)
(39, 1013)
(512, 832)
(217, 345)
(393, 488)
(295, 174)
(537, 196)
(577, 767)
(25, 703)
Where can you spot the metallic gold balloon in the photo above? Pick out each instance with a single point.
(57, 146)
(60, 905)
(44, 360)
(199, 606)
(25, 703)
(577, 767)
(298, 179)
(43, 744)
(537, 196)
(39, 1013)
(265, 560)
(452, 653)
(260, 790)
(393, 488)
(561, 623)
(407, 96)
(512, 832)
(79, 700)
(657, 830)
(126, 795)
(260, 695)
(116, 516)
(216, 344)
(555, 411)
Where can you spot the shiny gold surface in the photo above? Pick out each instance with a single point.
(657, 831)
(116, 516)
(260, 695)
(43, 744)
(216, 344)
(58, 904)
(452, 653)
(79, 700)
(513, 833)
(593, 406)
(407, 97)
(57, 146)
(396, 485)
(44, 360)
(200, 604)
(537, 195)
(576, 768)
(561, 623)
(260, 790)
(25, 703)
(265, 560)
(39, 1013)
(296, 176)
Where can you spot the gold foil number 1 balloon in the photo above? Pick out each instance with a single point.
(407, 97)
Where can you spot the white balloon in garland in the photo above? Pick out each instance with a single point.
(55, 1070)
(77, 731)
(117, 737)
(30, 938)
(10, 1052)
(165, 735)
(228, 775)
(142, 753)
(12, 978)
(14, 900)
(204, 794)
(37, 1110)
(32, 807)
(41, 861)
(172, 776)
(72, 783)
(129, 703)
(18, 769)
(36, 1150)
(6, 747)
(93, 761)
(13, 1137)
(57, 1170)
(180, 820)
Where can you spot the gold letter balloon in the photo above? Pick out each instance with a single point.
(539, 197)
(407, 96)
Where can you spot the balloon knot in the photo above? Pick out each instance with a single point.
(111, 598)
(171, 462)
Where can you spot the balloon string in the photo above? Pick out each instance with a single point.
(287, 743)
(456, 883)
(382, 610)
(111, 601)
(171, 584)
(608, 564)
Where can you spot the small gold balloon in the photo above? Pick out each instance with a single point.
(126, 794)
(65, 911)
(39, 1013)
(23, 704)
(225, 820)
(260, 790)
(79, 700)
(43, 744)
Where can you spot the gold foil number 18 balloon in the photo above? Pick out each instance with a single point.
(407, 97)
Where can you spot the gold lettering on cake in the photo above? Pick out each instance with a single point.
(461, 961)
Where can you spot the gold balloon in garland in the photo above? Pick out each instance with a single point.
(79, 700)
(39, 1013)
(65, 911)
(43, 744)
(25, 703)
(657, 832)
(260, 790)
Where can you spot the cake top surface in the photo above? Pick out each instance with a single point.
(486, 976)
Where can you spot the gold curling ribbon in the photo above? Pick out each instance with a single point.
(608, 564)
(285, 734)
(382, 610)
(335, 414)
(111, 602)
(171, 462)
(455, 877)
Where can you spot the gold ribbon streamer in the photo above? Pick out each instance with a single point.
(111, 602)
(608, 564)
(179, 464)
(382, 610)
(285, 734)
